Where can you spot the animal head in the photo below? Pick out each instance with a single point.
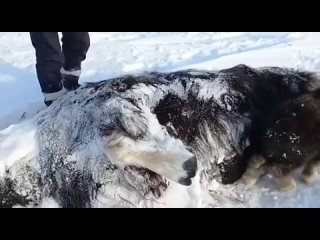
(133, 136)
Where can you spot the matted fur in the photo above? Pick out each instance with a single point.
(134, 134)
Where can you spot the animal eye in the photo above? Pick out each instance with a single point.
(107, 130)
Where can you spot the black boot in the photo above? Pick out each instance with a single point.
(49, 98)
(70, 79)
(70, 83)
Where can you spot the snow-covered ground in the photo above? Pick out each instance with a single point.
(113, 54)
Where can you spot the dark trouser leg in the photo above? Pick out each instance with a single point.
(75, 46)
(49, 60)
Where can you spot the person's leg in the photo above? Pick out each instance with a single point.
(75, 46)
(49, 62)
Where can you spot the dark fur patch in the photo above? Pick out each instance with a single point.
(184, 115)
(293, 137)
(77, 190)
(9, 197)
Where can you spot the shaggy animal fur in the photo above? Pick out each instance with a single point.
(133, 135)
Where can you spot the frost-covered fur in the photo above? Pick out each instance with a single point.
(124, 141)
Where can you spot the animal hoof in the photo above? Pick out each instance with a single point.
(286, 185)
(308, 178)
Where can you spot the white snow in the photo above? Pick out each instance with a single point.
(48, 203)
(17, 142)
(115, 53)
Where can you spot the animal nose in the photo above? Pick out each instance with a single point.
(191, 167)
